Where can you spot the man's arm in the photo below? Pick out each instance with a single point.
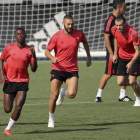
(52, 58)
(137, 53)
(108, 45)
(86, 46)
(115, 57)
(34, 64)
(2, 76)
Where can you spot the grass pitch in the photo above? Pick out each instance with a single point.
(79, 118)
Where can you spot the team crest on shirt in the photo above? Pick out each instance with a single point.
(27, 55)
(77, 40)
(126, 39)
(13, 53)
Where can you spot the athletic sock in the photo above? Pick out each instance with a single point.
(138, 98)
(51, 116)
(10, 124)
(99, 93)
(122, 93)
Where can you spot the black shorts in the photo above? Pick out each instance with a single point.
(13, 87)
(111, 68)
(135, 70)
(62, 75)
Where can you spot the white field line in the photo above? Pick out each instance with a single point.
(71, 103)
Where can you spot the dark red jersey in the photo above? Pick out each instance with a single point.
(17, 61)
(126, 41)
(66, 48)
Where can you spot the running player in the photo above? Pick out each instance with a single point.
(64, 65)
(17, 56)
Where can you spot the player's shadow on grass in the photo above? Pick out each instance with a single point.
(37, 98)
(106, 124)
(64, 130)
(101, 124)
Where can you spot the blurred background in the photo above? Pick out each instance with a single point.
(42, 18)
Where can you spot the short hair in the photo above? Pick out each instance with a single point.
(68, 17)
(119, 18)
(20, 28)
(117, 3)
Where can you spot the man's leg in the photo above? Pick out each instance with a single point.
(122, 92)
(136, 88)
(102, 84)
(55, 87)
(123, 96)
(20, 100)
(123, 81)
(72, 84)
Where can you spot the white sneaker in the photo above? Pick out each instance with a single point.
(51, 124)
(137, 103)
(60, 97)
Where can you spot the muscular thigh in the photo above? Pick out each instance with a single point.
(8, 101)
(20, 98)
(72, 83)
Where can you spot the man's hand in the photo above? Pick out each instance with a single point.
(33, 52)
(115, 58)
(111, 57)
(2, 78)
(54, 60)
(88, 62)
(128, 66)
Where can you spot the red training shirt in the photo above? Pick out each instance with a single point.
(126, 41)
(17, 62)
(66, 48)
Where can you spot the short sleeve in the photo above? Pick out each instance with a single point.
(113, 30)
(6, 52)
(109, 24)
(52, 43)
(83, 38)
(136, 40)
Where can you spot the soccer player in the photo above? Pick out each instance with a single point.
(111, 68)
(129, 55)
(17, 56)
(64, 64)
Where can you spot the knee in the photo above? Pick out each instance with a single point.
(131, 82)
(7, 110)
(71, 94)
(54, 96)
(120, 82)
(18, 108)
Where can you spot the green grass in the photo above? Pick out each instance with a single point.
(79, 118)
